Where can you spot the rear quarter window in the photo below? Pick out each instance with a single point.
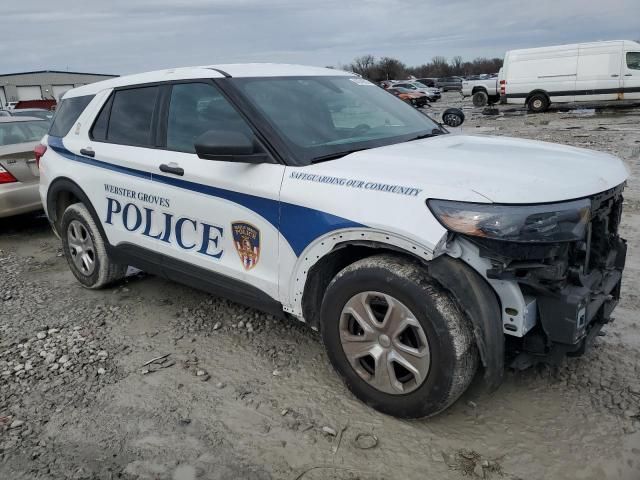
(67, 113)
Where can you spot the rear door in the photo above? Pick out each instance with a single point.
(631, 75)
(598, 75)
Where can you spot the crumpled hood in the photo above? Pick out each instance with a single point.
(501, 169)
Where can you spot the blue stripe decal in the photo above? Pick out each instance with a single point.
(299, 225)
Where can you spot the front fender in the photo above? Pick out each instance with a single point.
(481, 306)
(353, 236)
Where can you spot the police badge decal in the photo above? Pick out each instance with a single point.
(246, 239)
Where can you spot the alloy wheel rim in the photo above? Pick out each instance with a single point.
(452, 120)
(384, 343)
(81, 248)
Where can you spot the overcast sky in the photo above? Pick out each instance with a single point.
(126, 36)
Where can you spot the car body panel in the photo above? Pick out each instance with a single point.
(501, 169)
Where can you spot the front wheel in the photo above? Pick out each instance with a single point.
(85, 250)
(397, 338)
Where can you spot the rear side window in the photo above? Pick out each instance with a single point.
(127, 117)
(67, 113)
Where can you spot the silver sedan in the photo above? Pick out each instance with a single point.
(18, 170)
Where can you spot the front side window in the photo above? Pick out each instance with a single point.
(130, 120)
(197, 108)
(320, 117)
(633, 60)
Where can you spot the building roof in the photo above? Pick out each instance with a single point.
(235, 70)
(56, 71)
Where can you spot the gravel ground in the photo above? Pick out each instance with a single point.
(153, 380)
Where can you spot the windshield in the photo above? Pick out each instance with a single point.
(44, 114)
(22, 132)
(323, 117)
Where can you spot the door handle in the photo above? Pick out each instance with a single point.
(628, 74)
(172, 168)
(87, 152)
(615, 75)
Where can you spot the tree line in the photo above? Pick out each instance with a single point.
(388, 68)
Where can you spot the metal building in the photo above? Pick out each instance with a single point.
(42, 85)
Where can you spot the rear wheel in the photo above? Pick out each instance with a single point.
(538, 103)
(85, 249)
(480, 98)
(397, 339)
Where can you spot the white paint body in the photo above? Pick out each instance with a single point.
(453, 167)
(581, 72)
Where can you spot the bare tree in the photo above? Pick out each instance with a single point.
(364, 65)
(456, 65)
(440, 66)
(390, 69)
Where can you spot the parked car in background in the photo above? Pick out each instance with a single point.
(429, 82)
(433, 94)
(19, 177)
(580, 72)
(483, 92)
(417, 99)
(33, 112)
(449, 83)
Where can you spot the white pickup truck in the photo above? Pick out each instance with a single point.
(482, 92)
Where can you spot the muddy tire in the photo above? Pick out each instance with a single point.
(397, 338)
(538, 103)
(85, 250)
(480, 98)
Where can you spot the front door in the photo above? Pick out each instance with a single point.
(224, 214)
(631, 75)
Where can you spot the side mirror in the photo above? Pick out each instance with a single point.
(228, 146)
(453, 117)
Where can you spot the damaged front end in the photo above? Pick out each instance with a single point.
(556, 272)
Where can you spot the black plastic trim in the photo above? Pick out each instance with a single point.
(196, 277)
(481, 306)
(566, 93)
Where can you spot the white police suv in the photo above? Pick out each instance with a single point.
(311, 193)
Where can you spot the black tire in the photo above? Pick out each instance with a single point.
(538, 103)
(453, 117)
(451, 344)
(480, 98)
(104, 270)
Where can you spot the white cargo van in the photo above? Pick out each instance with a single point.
(581, 72)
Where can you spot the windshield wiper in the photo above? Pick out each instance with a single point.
(434, 133)
(333, 156)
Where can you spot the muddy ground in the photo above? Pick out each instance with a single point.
(242, 395)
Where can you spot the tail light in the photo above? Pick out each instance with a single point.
(39, 152)
(503, 87)
(6, 177)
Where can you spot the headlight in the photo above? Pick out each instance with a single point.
(554, 222)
